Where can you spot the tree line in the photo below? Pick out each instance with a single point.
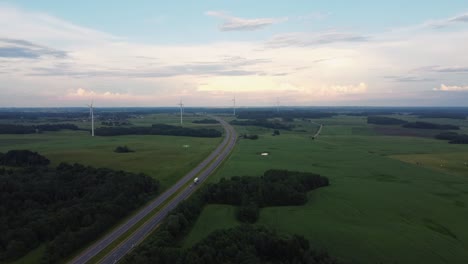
(23, 158)
(427, 125)
(286, 114)
(64, 207)
(32, 129)
(453, 137)
(275, 187)
(262, 123)
(206, 121)
(383, 120)
(158, 129)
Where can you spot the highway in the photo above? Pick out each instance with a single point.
(203, 170)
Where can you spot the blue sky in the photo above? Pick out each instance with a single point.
(306, 52)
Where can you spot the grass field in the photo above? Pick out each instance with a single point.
(166, 158)
(381, 206)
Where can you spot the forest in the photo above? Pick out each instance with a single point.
(288, 114)
(64, 207)
(426, 125)
(206, 121)
(275, 187)
(25, 158)
(158, 129)
(261, 123)
(453, 137)
(383, 120)
(32, 129)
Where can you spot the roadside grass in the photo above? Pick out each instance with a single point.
(377, 209)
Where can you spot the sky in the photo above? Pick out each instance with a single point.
(206, 52)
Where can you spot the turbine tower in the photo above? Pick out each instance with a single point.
(181, 111)
(91, 114)
(234, 105)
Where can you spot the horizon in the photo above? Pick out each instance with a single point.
(154, 54)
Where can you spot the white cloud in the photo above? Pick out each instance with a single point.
(232, 23)
(451, 88)
(311, 68)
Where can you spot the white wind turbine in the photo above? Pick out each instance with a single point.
(234, 105)
(91, 114)
(181, 111)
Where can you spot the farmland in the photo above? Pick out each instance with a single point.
(389, 200)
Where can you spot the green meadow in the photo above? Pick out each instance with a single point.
(389, 200)
(166, 158)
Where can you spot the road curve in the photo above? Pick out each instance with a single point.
(204, 169)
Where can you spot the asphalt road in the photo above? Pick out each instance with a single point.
(206, 167)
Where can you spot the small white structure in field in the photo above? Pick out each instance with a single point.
(265, 154)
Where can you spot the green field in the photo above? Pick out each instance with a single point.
(166, 158)
(381, 206)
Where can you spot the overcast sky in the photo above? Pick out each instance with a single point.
(205, 52)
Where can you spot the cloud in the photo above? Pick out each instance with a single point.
(462, 18)
(454, 88)
(441, 69)
(232, 23)
(313, 39)
(334, 90)
(409, 78)
(17, 48)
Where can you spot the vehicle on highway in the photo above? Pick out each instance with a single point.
(196, 180)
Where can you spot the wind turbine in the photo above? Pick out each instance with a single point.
(181, 111)
(91, 113)
(234, 105)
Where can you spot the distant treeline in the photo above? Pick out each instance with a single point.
(443, 115)
(31, 129)
(206, 121)
(262, 123)
(276, 187)
(116, 123)
(25, 158)
(453, 138)
(426, 125)
(383, 120)
(65, 207)
(158, 129)
(288, 114)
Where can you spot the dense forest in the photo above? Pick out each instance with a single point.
(158, 129)
(242, 244)
(287, 114)
(25, 158)
(426, 125)
(443, 115)
(32, 129)
(275, 187)
(261, 123)
(453, 138)
(206, 121)
(64, 207)
(383, 120)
